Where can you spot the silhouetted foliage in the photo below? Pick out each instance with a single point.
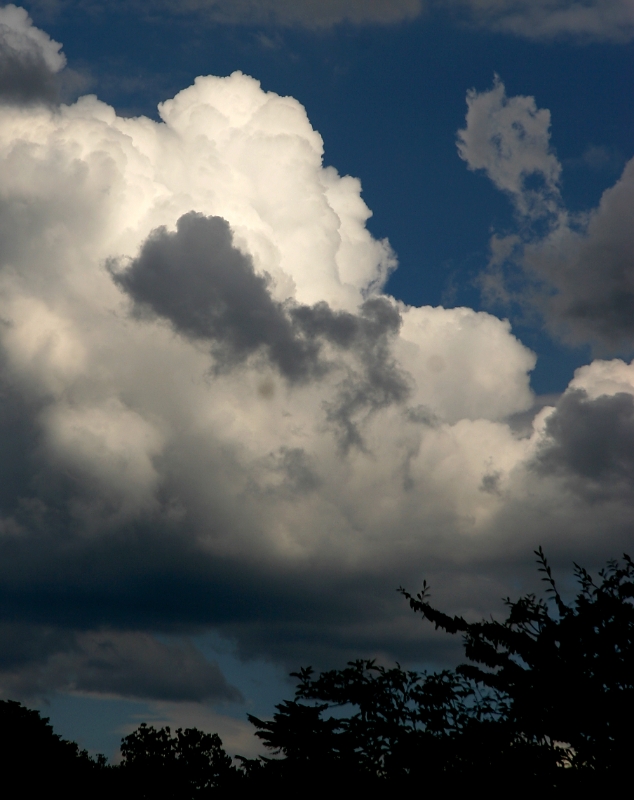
(186, 765)
(39, 758)
(544, 704)
(546, 701)
(564, 672)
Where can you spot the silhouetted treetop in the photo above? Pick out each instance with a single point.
(41, 758)
(564, 669)
(189, 763)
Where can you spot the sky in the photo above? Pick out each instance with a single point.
(301, 302)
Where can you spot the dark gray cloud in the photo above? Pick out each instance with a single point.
(208, 289)
(315, 14)
(589, 274)
(139, 665)
(591, 444)
(586, 20)
(29, 60)
(379, 382)
(25, 76)
(150, 581)
(39, 660)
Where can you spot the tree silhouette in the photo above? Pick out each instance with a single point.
(40, 758)
(188, 764)
(546, 700)
(399, 728)
(563, 673)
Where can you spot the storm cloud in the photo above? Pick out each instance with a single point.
(39, 660)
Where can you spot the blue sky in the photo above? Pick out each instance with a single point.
(230, 539)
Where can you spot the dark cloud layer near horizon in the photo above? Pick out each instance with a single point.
(39, 660)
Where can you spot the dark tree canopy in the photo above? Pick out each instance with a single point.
(545, 700)
(543, 704)
(40, 758)
(564, 671)
(186, 765)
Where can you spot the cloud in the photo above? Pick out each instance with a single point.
(509, 138)
(579, 268)
(589, 435)
(38, 660)
(312, 14)
(580, 20)
(214, 418)
(589, 264)
(309, 13)
(591, 439)
(208, 290)
(602, 20)
(29, 59)
(198, 280)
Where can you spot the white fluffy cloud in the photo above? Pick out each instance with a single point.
(214, 418)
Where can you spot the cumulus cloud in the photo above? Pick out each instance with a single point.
(509, 139)
(214, 417)
(208, 290)
(199, 281)
(29, 59)
(580, 268)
